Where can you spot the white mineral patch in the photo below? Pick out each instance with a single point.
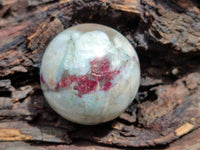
(90, 45)
(52, 59)
(87, 46)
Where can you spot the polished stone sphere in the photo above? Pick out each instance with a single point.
(90, 73)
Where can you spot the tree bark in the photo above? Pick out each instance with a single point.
(164, 115)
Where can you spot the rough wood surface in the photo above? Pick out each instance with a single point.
(166, 35)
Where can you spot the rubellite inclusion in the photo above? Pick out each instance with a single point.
(90, 74)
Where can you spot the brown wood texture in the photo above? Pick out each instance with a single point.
(164, 115)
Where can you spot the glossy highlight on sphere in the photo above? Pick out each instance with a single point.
(90, 73)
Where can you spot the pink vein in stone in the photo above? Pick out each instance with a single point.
(134, 58)
(66, 82)
(85, 85)
(100, 73)
(42, 79)
(100, 69)
(106, 86)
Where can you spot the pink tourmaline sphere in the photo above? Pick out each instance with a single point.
(90, 73)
